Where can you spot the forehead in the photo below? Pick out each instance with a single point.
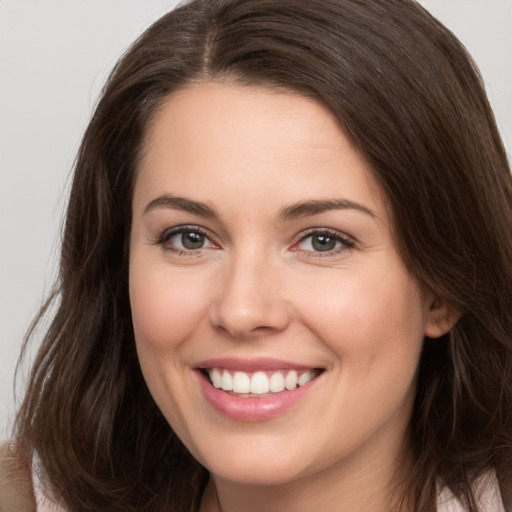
(288, 116)
(250, 141)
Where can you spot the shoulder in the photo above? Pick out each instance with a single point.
(16, 493)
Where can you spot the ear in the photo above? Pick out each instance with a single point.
(441, 317)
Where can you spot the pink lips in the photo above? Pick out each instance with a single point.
(256, 408)
(251, 365)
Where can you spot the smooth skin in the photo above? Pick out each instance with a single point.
(279, 246)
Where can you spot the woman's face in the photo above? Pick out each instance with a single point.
(262, 260)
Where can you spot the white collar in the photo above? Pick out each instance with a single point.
(487, 494)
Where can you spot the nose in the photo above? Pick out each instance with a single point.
(250, 301)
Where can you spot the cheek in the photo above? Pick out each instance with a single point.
(373, 326)
(166, 309)
(369, 317)
(166, 306)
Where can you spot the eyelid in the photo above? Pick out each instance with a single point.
(347, 241)
(166, 234)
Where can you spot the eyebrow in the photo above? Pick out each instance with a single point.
(294, 211)
(314, 207)
(181, 203)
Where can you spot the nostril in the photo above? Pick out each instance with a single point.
(247, 307)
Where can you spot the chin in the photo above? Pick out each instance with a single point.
(265, 463)
(260, 474)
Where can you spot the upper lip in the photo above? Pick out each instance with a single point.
(252, 365)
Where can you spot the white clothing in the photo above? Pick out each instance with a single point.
(487, 494)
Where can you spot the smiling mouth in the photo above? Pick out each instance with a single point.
(259, 383)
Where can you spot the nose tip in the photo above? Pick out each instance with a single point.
(250, 303)
(242, 321)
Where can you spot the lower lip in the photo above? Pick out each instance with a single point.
(253, 408)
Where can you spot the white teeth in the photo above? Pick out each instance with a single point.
(306, 377)
(276, 382)
(259, 383)
(216, 378)
(227, 381)
(290, 382)
(241, 383)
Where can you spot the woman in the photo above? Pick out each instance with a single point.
(285, 279)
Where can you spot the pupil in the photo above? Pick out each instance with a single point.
(192, 240)
(323, 243)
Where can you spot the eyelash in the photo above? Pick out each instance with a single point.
(169, 233)
(346, 242)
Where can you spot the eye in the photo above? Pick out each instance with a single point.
(323, 241)
(189, 240)
(185, 239)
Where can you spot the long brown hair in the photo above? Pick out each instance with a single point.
(406, 92)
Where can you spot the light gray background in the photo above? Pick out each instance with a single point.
(54, 58)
